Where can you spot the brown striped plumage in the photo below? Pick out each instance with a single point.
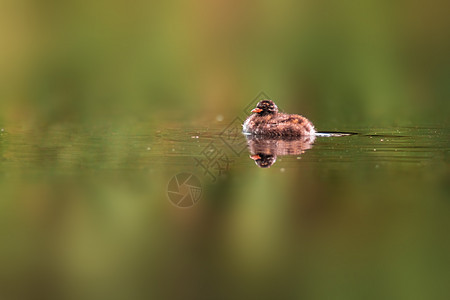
(267, 121)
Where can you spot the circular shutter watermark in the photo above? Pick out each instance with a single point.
(184, 190)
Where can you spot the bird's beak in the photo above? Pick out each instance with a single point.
(257, 110)
(255, 157)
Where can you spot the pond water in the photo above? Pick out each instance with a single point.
(358, 215)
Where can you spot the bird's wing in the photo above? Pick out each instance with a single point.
(289, 119)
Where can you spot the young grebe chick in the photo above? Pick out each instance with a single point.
(267, 121)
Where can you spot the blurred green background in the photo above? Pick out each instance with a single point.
(346, 61)
(98, 104)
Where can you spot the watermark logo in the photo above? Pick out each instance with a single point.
(184, 190)
(213, 161)
(231, 136)
(215, 158)
(252, 104)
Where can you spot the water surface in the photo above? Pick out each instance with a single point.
(338, 212)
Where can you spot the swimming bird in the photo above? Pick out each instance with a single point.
(266, 120)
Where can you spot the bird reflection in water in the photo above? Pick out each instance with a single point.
(264, 151)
